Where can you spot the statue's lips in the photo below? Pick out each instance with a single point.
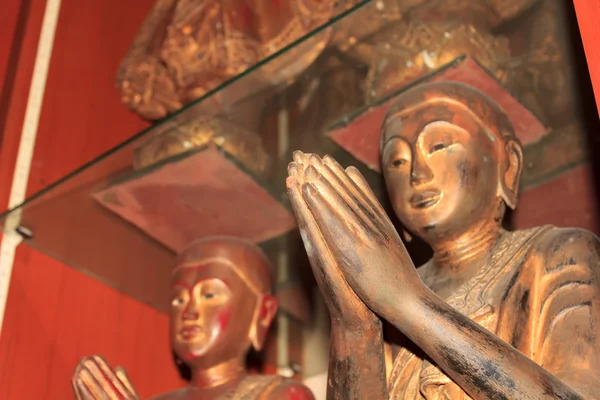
(425, 199)
(190, 332)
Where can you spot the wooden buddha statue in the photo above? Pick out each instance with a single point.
(221, 307)
(494, 314)
(186, 48)
(427, 34)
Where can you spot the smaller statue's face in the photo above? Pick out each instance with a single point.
(212, 311)
(441, 177)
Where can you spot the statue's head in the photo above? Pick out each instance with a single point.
(450, 159)
(221, 303)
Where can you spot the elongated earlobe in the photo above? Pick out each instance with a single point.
(510, 179)
(266, 309)
(406, 235)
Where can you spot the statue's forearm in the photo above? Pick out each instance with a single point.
(356, 364)
(482, 364)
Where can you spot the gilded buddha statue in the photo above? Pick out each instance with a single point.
(403, 40)
(494, 314)
(522, 43)
(221, 307)
(186, 48)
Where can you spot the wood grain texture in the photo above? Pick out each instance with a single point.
(56, 315)
(82, 115)
(11, 20)
(20, 47)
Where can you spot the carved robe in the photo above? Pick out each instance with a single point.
(535, 296)
(210, 41)
(251, 387)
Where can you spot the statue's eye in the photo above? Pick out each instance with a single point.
(208, 295)
(178, 301)
(437, 147)
(398, 162)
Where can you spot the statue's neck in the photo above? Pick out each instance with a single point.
(471, 248)
(228, 372)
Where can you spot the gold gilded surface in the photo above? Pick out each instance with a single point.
(415, 48)
(521, 42)
(185, 48)
(221, 307)
(494, 313)
(486, 14)
(195, 134)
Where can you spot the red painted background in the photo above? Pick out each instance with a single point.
(55, 314)
(588, 17)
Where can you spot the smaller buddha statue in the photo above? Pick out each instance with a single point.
(221, 307)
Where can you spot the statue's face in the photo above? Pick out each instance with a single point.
(441, 171)
(212, 312)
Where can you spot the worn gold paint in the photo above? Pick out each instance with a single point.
(221, 307)
(495, 314)
(185, 48)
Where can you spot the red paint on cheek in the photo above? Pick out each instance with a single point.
(223, 318)
(264, 310)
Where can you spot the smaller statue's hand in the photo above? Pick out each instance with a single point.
(147, 87)
(353, 229)
(94, 379)
(345, 308)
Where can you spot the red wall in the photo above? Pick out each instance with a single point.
(55, 314)
(569, 200)
(588, 17)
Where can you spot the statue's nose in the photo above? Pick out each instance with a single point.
(419, 171)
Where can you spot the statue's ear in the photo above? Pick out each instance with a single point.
(510, 174)
(266, 309)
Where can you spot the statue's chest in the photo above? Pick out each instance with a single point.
(251, 387)
(481, 298)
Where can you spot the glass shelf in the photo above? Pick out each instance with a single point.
(66, 222)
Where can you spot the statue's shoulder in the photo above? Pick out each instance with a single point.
(287, 389)
(562, 247)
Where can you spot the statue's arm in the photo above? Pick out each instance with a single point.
(356, 363)
(356, 359)
(567, 330)
(482, 364)
(564, 314)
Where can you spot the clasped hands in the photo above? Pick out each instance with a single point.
(94, 379)
(355, 251)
